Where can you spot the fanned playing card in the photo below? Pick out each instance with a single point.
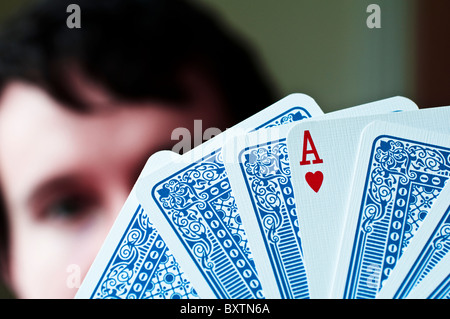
(397, 167)
(427, 249)
(436, 285)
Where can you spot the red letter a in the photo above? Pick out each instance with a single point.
(307, 139)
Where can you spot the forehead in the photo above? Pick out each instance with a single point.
(22, 107)
(29, 120)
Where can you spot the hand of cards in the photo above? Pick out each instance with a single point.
(291, 203)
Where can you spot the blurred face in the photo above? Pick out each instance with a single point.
(65, 175)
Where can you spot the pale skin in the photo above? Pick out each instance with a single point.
(65, 175)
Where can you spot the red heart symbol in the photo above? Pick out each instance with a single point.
(314, 180)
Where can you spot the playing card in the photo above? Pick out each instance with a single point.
(388, 105)
(194, 209)
(258, 168)
(428, 247)
(397, 166)
(436, 285)
(134, 261)
(321, 190)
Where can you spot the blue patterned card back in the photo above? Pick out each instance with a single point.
(142, 267)
(267, 175)
(199, 205)
(442, 291)
(294, 114)
(437, 246)
(403, 180)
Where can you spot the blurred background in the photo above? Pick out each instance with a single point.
(324, 48)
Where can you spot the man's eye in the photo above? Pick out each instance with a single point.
(70, 207)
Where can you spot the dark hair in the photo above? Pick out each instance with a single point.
(133, 47)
